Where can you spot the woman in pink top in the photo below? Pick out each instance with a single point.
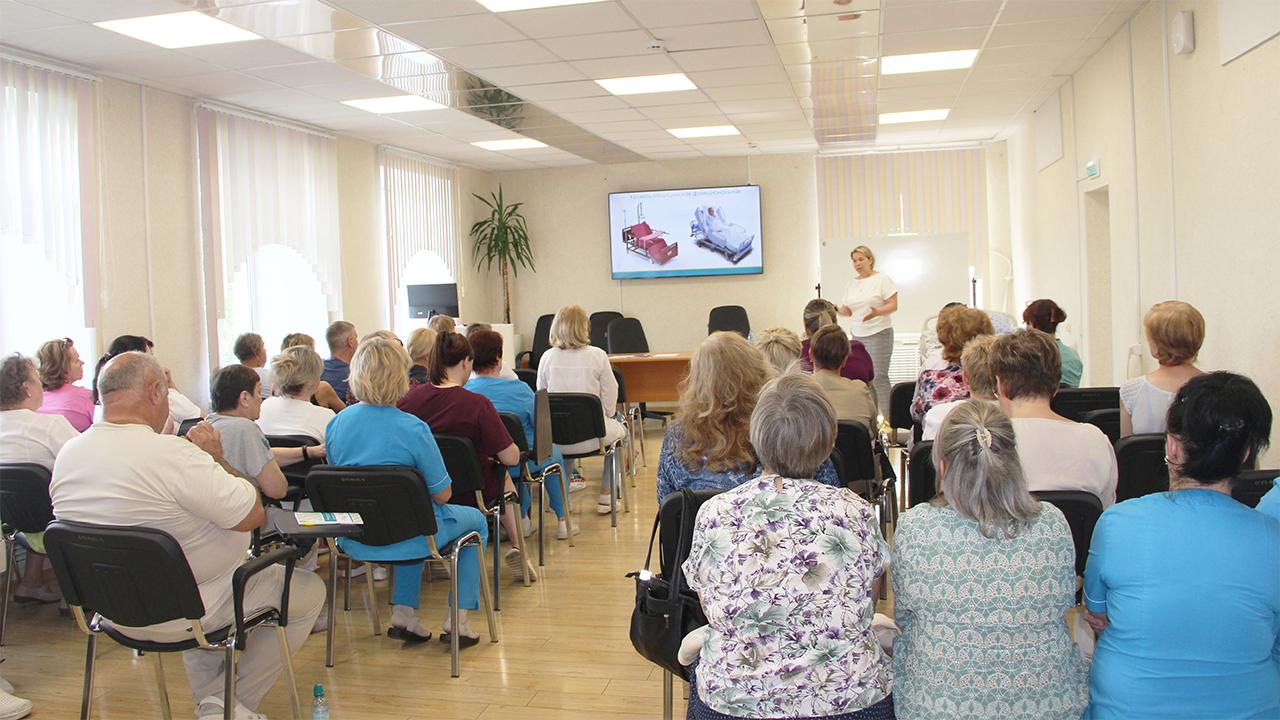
(60, 366)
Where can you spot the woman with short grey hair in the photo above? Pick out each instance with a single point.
(983, 577)
(788, 570)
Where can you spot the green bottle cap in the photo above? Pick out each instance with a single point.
(319, 690)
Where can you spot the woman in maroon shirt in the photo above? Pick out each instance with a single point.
(449, 408)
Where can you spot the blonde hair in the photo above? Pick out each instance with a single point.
(571, 329)
(780, 346)
(295, 369)
(441, 323)
(297, 340)
(382, 334)
(716, 400)
(817, 313)
(864, 250)
(421, 340)
(958, 325)
(1176, 329)
(975, 360)
(380, 371)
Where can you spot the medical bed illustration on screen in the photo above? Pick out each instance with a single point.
(711, 229)
(646, 242)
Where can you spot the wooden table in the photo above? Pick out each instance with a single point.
(654, 377)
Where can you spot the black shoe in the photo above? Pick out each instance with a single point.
(398, 633)
(463, 640)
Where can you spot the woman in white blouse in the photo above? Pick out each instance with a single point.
(1175, 331)
(573, 364)
(870, 298)
(295, 375)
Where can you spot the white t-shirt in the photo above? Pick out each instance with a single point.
(935, 415)
(264, 373)
(1059, 455)
(180, 408)
(288, 416)
(28, 437)
(129, 475)
(862, 295)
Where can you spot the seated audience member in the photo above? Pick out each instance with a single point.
(573, 364)
(929, 348)
(780, 346)
(236, 402)
(447, 407)
(851, 399)
(1175, 332)
(1056, 453)
(28, 437)
(60, 366)
(708, 446)
(1045, 315)
(251, 351)
(857, 366)
(788, 570)
(180, 408)
(957, 325)
(503, 371)
(975, 360)
(1183, 586)
(341, 337)
(385, 334)
(325, 396)
(515, 397)
(442, 324)
(421, 340)
(983, 578)
(375, 432)
(122, 471)
(290, 412)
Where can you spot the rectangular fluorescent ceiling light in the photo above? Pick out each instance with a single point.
(509, 5)
(647, 84)
(394, 104)
(927, 62)
(179, 30)
(917, 116)
(709, 131)
(522, 144)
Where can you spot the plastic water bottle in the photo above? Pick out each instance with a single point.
(319, 706)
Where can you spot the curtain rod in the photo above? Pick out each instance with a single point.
(411, 155)
(47, 66)
(268, 119)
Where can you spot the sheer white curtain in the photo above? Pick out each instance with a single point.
(48, 227)
(263, 184)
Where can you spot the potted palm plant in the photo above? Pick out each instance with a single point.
(502, 236)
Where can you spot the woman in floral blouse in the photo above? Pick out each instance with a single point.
(957, 325)
(788, 571)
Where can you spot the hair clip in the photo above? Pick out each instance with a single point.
(984, 437)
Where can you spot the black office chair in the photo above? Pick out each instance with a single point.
(1107, 420)
(394, 506)
(25, 507)
(1073, 403)
(626, 337)
(528, 377)
(922, 483)
(729, 318)
(631, 418)
(186, 425)
(1140, 460)
(853, 440)
(139, 577)
(578, 417)
(899, 417)
(1082, 510)
(1251, 485)
(600, 328)
(537, 454)
(295, 474)
(541, 342)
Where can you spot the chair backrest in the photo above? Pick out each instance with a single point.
(1073, 403)
(185, 426)
(626, 335)
(529, 377)
(516, 430)
(461, 461)
(392, 500)
(25, 505)
(853, 440)
(1251, 485)
(900, 397)
(542, 434)
(622, 386)
(730, 318)
(133, 576)
(670, 518)
(1082, 510)
(296, 473)
(922, 484)
(600, 327)
(1140, 459)
(575, 417)
(541, 339)
(1107, 420)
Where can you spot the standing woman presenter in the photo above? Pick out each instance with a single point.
(869, 299)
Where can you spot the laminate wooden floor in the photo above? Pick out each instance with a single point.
(564, 651)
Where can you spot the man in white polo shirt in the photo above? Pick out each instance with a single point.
(123, 471)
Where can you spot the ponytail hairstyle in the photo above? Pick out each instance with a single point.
(817, 313)
(450, 349)
(1223, 422)
(983, 480)
(122, 344)
(1044, 315)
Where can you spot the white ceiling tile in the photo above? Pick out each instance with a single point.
(92, 11)
(751, 92)
(19, 17)
(584, 104)
(765, 117)
(633, 66)
(305, 74)
(986, 71)
(156, 63)
(642, 135)
(572, 20)
(677, 111)
(609, 128)
(748, 106)
(531, 74)
(969, 100)
(729, 78)
(284, 18)
(77, 43)
(219, 84)
(910, 43)
(386, 12)
(943, 15)
(684, 13)
(357, 89)
(1043, 31)
(478, 57)
(911, 105)
(317, 111)
(1008, 85)
(681, 97)
(714, 35)
(248, 54)
(937, 77)
(596, 116)
(1071, 66)
(272, 99)
(1088, 48)
(603, 45)
(1030, 53)
(724, 58)
(947, 90)
(560, 91)
(695, 121)
(454, 31)
(1032, 10)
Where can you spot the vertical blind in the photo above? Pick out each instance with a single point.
(421, 212)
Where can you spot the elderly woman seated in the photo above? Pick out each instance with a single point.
(788, 570)
(957, 325)
(324, 394)
(976, 362)
(983, 577)
(780, 346)
(60, 366)
(857, 365)
(1183, 587)
(852, 399)
(296, 372)
(708, 446)
(1175, 331)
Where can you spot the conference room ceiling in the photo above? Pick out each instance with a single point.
(789, 75)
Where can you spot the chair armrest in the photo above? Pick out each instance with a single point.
(521, 354)
(252, 567)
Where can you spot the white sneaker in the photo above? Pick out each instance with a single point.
(239, 713)
(512, 558)
(12, 708)
(576, 482)
(527, 526)
(563, 532)
(379, 572)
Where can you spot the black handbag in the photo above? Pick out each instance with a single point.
(666, 610)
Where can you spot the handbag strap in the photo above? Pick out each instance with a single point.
(686, 529)
(649, 555)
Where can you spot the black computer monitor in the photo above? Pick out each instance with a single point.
(428, 300)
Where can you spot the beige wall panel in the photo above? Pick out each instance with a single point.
(364, 272)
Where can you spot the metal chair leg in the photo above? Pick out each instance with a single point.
(160, 687)
(288, 673)
(564, 493)
(614, 490)
(542, 520)
(86, 701)
(489, 609)
(346, 586)
(372, 605)
(331, 604)
(229, 687)
(639, 423)
(497, 562)
(4, 587)
(453, 609)
(667, 700)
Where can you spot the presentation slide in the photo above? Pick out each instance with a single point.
(677, 233)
